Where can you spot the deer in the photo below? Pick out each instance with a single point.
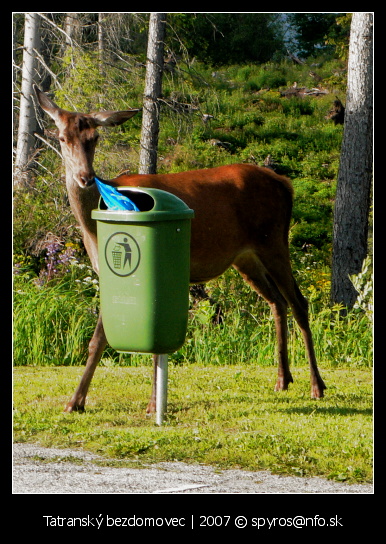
(242, 219)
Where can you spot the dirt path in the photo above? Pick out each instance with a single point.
(38, 470)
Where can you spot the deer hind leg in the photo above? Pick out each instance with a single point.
(95, 349)
(280, 271)
(253, 271)
(299, 306)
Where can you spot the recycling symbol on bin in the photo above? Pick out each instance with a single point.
(122, 254)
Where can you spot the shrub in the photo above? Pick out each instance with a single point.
(363, 283)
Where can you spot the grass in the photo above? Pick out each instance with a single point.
(53, 323)
(222, 409)
(228, 417)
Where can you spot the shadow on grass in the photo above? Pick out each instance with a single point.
(327, 410)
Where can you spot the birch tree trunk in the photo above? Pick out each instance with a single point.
(73, 29)
(27, 119)
(101, 40)
(153, 86)
(352, 202)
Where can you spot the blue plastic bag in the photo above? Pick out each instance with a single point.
(113, 198)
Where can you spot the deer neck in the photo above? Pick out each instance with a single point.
(82, 201)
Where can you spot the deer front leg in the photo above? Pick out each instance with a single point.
(95, 349)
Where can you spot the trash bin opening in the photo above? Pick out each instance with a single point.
(143, 201)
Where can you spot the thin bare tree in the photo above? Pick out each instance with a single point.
(153, 86)
(27, 117)
(72, 29)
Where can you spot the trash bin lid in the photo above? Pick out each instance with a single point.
(154, 205)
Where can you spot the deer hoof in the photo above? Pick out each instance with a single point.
(73, 408)
(283, 382)
(317, 387)
(150, 410)
(317, 391)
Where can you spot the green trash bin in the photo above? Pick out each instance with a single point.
(144, 270)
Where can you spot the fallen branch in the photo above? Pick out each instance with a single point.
(48, 143)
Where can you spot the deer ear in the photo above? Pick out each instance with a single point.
(112, 118)
(47, 104)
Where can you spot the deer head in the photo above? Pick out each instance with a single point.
(78, 136)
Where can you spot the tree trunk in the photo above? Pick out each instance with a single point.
(153, 85)
(27, 119)
(73, 29)
(101, 40)
(355, 171)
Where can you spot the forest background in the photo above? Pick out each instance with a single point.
(254, 88)
(213, 111)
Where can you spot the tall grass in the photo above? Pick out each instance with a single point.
(54, 322)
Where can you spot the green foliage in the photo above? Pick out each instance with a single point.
(313, 30)
(339, 35)
(53, 322)
(87, 87)
(363, 283)
(252, 123)
(40, 210)
(49, 315)
(227, 38)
